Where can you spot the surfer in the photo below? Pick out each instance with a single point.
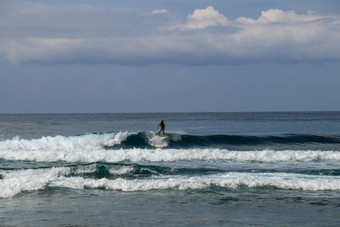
(161, 128)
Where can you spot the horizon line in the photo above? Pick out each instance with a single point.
(174, 112)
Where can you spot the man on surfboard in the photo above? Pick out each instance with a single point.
(161, 128)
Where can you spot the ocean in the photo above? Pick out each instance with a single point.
(214, 169)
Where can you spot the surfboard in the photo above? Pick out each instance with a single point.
(164, 137)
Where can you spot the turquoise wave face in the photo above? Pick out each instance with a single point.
(181, 141)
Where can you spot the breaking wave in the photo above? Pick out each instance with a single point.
(18, 181)
(143, 161)
(140, 146)
(128, 140)
(168, 155)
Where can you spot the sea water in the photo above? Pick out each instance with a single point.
(214, 169)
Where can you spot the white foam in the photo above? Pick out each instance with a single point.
(116, 170)
(61, 143)
(15, 182)
(228, 180)
(121, 170)
(118, 138)
(158, 141)
(85, 169)
(97, 154)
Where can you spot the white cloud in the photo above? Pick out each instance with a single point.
(200, 19)
(279, 16)
(96, 35)
(159, 11)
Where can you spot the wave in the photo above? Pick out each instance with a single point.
(168, 155)
(141, 146)
(18, 181)
(238, 140)
(58, 143)
(147, 140)
(128, 140)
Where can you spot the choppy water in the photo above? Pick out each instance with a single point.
(233, 169)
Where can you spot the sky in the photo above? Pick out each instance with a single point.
(107, 56)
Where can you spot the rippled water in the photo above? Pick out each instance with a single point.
(213, 169)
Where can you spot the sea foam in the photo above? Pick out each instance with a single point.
(163, 155)
(63, 143)
(230, 180)
(14, 182)
(17, 181)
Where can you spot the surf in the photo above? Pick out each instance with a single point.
(18, 181)
(146, 146)
(149, 140)
(168, 155)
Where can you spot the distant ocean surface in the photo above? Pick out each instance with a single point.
(214, 169)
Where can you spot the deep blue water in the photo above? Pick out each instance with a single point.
(234, 169)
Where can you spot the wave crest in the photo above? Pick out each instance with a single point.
(18, 181)
(169, 155)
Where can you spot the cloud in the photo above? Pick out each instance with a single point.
(38, 48)
(202, 18)
(279, 16)
(94, 35)
(159, 11)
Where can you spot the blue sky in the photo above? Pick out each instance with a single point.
(169, 56)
